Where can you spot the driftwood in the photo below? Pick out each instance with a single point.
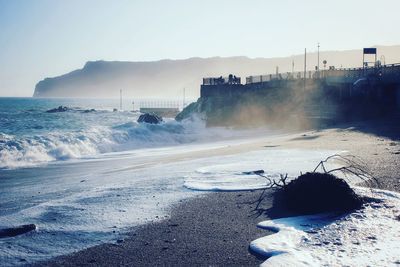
(18, 230)
(351, 166)
(314, 183)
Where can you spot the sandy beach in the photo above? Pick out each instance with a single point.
(217, 228)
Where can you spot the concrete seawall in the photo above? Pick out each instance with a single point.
(337, 96)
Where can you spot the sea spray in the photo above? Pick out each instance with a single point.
(30, 136)
(29, 150)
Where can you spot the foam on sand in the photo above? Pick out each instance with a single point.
(231, 176)
(367, 237)
(78, 204)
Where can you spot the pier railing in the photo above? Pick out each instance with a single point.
(342, 73)
(383, 70)
(281, 76)
(159, 103)
(221, 80)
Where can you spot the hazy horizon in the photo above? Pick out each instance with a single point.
(45, 38)
(168, 78)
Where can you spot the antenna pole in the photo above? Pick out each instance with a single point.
(184, 94)
(292, 65)
(305, 68)
(120, 99)
(318, 60)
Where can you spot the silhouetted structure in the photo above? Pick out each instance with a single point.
(380, 82)
(321, 98)
(165, 108)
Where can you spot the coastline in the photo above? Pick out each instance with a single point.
(212, 229)
(216, 228)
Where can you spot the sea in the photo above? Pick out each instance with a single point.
(30, 136)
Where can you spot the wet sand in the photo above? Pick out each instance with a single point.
(217, 228)
(213, 229)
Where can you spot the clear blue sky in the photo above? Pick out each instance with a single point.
(45, 38)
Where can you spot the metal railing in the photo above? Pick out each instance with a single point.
(349, 73)
(160, 104)
(384, 70)
(281, 76)
(232, 79)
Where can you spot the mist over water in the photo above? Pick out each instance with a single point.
(29, 136)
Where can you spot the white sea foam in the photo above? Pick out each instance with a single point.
(32, 150)
(367, 237)
(80, 203)
(229, 176)
(84, 203)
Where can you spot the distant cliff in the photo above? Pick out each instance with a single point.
(167, 78)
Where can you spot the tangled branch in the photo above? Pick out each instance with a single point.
(271, 182)
(351, 165)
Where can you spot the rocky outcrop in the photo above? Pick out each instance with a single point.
(59, 109)
(150, 118)
(74, 109)
(227, 111)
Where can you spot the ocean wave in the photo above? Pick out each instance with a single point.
(27, 151)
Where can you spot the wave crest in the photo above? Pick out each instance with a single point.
(26, 151)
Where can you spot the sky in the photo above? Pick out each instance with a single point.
(46, 38)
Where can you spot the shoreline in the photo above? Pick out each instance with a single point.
(216, 229)
(211, 229)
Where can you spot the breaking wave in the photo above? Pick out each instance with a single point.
(26, 151)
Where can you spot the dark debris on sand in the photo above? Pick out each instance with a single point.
(315, 192)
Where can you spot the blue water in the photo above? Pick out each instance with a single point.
(27, 116)
(29, 136)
